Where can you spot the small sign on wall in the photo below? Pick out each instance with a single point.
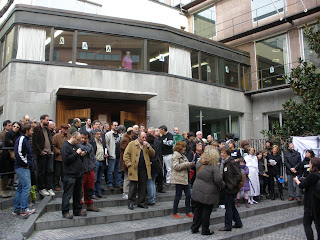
(84, 46)
(108, 48)
(161, 58)
(61, 41)
(227, 69)
(271, 69)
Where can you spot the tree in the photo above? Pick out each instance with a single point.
(302, 114)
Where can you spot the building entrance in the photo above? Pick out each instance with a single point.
(126, 113)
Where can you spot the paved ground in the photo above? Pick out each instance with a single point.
(9, 224)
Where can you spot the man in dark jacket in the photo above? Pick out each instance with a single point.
(23, 165)
(72, 176)
(292, 161)
(42, 146)
(232, 177)
(89, 164)
(167, 150)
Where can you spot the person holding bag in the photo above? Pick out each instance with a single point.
(206, 190)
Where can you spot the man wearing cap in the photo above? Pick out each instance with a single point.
(57, 142)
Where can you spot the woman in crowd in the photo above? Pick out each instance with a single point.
(274, 164)
(252, 164)
(235, 153)
(263, 177)
(305, 163)
(311, 202)
(244, 148)
(180, 177)
(206, 190)
(194, 156)
(246, 187)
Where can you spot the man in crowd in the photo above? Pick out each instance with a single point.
(52, 128)
(25, 120)
(137, 159)
(121, 130)
(191, 143)
(89, 166)
(142, 128)
(23, 166)
(42, 146)
(76, 124)
(86, 127)
(176, 136)
(210, 139)
(72, 176)
(113, 146)
(96, 125)
(292, 161)
(167, 150)
(127, 138)
(136, 131)
(57, 142)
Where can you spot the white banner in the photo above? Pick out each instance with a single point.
(302, 144)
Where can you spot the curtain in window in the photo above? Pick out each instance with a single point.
(180, 62)
(31, 44)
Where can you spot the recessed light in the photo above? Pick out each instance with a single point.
(276, 60)
(275, 50)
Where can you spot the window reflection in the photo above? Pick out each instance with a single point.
(311, 56)
(205, 22)
(63, 41)
(158, 56)
(11, 46)
(209, 67)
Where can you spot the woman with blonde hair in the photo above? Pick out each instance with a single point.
(206, 189)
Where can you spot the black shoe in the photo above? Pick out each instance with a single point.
(194, 231)
(130, 206)
(142, 206)
(67, 216)
(161, 191)
(208, 233)
(237, 226)
(150, 204)
(273, 197)
(80, 214)
(224, 229)
(99, 196)
(281, 197)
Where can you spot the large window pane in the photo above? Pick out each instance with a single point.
(11, 46)
(228, 73)
(158, 56)
(194, 65)
(272, 60)
(209, 68)
(63, 41)
(205, 22)
(311, 56)
(244, 78)
(2, 44)
(109, 51)
(266, 8)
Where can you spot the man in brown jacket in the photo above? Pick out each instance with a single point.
(137, 159)
(126, 139)
(57, 142)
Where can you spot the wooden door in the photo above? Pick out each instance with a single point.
(128, 119)
(67, 116)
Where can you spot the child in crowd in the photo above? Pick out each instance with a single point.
(246, 187)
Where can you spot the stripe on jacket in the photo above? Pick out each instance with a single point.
(20, 150)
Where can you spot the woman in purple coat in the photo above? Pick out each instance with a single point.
(246, 186)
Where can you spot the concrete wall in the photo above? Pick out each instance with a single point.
(33, 89)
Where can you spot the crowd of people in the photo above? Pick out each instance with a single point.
(141, 162)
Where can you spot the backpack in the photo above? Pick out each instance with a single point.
(243, 178)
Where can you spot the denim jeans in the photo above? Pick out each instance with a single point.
(231, 212)
(187, 192)
(151, 186)
(72, 187)
(98, 177)
(23, 191)
(114, 166)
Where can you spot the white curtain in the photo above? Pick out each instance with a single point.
(31, 44)
(301, 144)
(180, 62)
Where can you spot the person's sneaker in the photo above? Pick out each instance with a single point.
(222, 206)
(51, 193)
(15, 213)
(27, 212)
(111, 188)
(177, 215)
(189, 215)
(6, 194)
(125, 196)
(44, 192)
(81, 214)
(93, 208)
(67, 216)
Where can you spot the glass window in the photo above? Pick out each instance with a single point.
(228, 73)
(244, 78)
(158, 56)
(11, 47)
(63, 41)
(194, 65)
(266, 8)
(109, 51)
(209, 68)
(272, 61)
(2, 44)
(205, 22)
(311, 56)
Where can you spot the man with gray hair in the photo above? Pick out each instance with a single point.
(25, 120)
(76, 124)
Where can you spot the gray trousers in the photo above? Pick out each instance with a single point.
(291, 185)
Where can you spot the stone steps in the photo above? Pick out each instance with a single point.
(120, 223)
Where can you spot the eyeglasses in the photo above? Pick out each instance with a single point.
(16, 126)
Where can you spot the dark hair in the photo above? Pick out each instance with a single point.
(315, 164)
(17, 123)
(25, 128)
(94, 131)
(226, 150)
(179, 146)
(5, 123)
(190, 134)
(43, 117)
(244, 143)
(85, 133)
(113, 122)
(199, 142)
(269, 141)
(233, 142)
(121, 128)
(150, 138)
(142, 125)
(94, 122)
(311, 152)
(229, 135)
(163, 127)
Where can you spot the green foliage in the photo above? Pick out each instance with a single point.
(302, 114)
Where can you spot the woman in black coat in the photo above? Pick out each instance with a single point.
(305, 163)
(311, 202)
(275, 171)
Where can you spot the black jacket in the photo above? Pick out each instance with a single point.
(304, 167)
(231, 176)
(38, 140)
(71, 162)
(89, 160)
(10, 138)
(276, 169)
(292, 159)
(309, 184)
(167, 144)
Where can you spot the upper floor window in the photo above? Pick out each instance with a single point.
(310, 55)
(266, 8)
(205, 22)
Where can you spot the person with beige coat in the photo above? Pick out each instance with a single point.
(139, 168)
(180, 177)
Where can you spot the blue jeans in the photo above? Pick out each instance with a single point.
(151, 186)
(98, 177)
(231, 212)
(23, 191)
(187, 192)
(114, 166)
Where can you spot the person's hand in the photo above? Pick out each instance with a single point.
(292, 169)
(145, 143)
(43, 153)
(106, 155)
(79, 151)
(192, 163)
(83, 153)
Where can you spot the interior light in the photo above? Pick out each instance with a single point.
(197, 65)
(79, 63)
(158, 57)
(56, 34)
(275, 50)
(276, 60)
